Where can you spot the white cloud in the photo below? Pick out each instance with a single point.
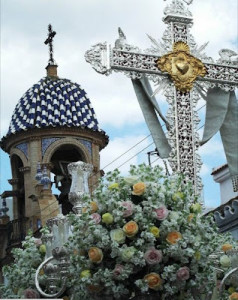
(216, 22)
(79, 25)
(24, 57)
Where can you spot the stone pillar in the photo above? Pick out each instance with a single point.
(96, 170)
(49, 206)
(32, 207)
(14, 183)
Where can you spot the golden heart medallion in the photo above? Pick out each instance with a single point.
(182, 67)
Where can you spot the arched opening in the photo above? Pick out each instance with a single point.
(60, 159)
(17, 164)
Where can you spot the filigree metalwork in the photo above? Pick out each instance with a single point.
(177, 8)
(180, 32)
(54, 275)
(97, 56)
(181, 66)
(135, 63)
(223, 74)
(226, 57)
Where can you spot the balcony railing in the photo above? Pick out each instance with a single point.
(17, 230)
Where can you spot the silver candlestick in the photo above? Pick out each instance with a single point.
(80, 172)
(56, 263)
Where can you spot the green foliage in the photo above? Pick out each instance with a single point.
(200, 238)
(20, 274)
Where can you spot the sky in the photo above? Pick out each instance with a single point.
(79, 25)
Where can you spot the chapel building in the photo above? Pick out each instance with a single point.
(53, 124)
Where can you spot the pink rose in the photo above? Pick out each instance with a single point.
(161, 213)
(38, 242)
(153, 256)
(31, 294)
(128, 208)
(183, 274)
(118, 270)
(96, 217)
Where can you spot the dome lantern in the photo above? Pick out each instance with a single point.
(53, 124)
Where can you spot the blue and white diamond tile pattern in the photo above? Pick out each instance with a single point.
(24, 148)
(46, 143)
(53, 102)
(87, 144)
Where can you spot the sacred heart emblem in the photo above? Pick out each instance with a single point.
(181, 66)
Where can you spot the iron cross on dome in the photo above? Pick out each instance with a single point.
(49, 41)
(180, 68)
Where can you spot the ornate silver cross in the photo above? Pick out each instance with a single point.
(179, 58)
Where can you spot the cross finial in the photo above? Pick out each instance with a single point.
(186, 1)
(49, 41)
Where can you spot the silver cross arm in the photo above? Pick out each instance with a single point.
(105, 59)
(181, 115)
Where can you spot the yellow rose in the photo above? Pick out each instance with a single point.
(196, 208)
(95, 255)
(130, 228)
(42, 249)
(113, 186)
(139, 189)
(155, 231)
(85, 274)
(94, 206)
(233, 296)
(84, 210)
(153, 280)
(197, 255)
(173, 237)
(190, 217)
(107, 218)
(178, 195)
(226, 247)
(231, 290)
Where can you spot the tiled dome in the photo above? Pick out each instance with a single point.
(53, 102)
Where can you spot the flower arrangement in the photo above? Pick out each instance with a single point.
(143, 235)
(21, 274)
(227, 260)
(138, 236)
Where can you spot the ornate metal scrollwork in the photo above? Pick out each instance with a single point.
(181, 66)
(98, 57)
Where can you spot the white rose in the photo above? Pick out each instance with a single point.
(174, 215)
(131, 180)
(118, 236)
(225, 261)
